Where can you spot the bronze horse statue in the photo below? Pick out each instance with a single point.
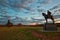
(48, 16)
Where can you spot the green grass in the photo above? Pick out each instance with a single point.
(22, 33)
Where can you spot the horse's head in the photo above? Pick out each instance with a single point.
(43, 14)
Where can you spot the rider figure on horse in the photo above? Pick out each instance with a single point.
(48, 16)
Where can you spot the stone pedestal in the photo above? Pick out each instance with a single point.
(50, 27)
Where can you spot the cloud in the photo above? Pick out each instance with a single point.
(57, 11)
(13, 7)
(55, 7)
(15, 4)
(40, 10)
(3, 20)
(44, 1)
(56, 16)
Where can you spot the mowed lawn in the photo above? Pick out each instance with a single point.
(27, 33)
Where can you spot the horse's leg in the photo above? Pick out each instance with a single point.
(46, 21)
(52, 20)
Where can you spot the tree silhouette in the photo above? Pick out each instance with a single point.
(9, 23)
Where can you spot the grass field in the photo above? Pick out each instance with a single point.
(27, 33)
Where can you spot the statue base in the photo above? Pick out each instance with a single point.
(50, 27)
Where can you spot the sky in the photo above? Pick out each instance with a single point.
(27, 11)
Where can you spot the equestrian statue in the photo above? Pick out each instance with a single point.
(48, 16)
